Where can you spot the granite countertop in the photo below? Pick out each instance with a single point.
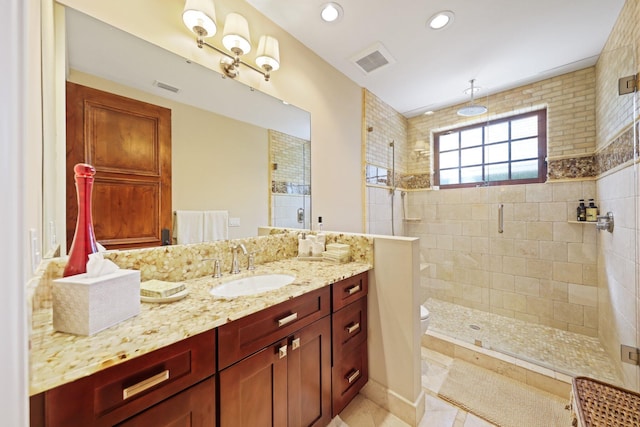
(58, 358)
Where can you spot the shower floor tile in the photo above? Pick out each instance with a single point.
(561, 351)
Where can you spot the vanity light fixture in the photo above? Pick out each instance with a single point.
(199, 16)
(441, 20)
(331, 12)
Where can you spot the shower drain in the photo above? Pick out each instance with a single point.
(475, 327)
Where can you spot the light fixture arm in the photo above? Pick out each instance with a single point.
(231, 64)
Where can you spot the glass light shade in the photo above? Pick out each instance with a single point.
(268, 53)
(236, 34)
(200, 14)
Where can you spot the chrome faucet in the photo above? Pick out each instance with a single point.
(235, 265)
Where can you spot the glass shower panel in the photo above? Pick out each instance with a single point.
(290, 181)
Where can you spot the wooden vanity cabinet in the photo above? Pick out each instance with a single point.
(350, 370)
(162, 388)
(288, 380)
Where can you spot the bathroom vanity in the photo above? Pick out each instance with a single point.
(294, 357)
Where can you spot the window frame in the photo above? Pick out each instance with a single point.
(542, 151)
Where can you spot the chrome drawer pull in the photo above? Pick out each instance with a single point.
(353, 376)
(282, 351)
(145, 384)
(353, 328)
(295, 344)
(290, 318)
(352, 290)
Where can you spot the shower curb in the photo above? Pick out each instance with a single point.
(528, 373)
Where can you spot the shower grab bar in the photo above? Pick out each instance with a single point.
(500, 218)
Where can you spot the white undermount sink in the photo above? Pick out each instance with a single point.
(252, 285)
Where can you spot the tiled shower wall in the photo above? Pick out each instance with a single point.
(541, 269)
(618, 296)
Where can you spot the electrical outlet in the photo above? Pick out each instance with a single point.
(234, 222)
(35, 249)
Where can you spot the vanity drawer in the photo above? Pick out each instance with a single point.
(117, 393)
(349, 290)
(251, 333)
(349, 327)
(349, 375)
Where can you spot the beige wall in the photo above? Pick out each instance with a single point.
(304, 80)
(217, 163)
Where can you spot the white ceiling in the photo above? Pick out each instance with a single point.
(500, 43)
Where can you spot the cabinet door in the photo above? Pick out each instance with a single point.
(253, 392)
(194, 407)
(309, 375)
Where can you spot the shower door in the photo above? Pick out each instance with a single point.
(290, 173)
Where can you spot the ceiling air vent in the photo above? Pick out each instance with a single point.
(166, 86)
(373, 58)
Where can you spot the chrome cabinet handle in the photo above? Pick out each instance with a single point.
(353, 289)
(501, 218)
(351, 378)
(295, 344)
(145, 384)
(290, 318)
(282, 352)
(353, 327)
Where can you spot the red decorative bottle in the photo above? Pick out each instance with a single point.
(84, 239)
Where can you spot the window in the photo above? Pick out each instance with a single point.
(505, 151)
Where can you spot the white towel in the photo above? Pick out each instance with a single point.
(216, 225)
(189, 227)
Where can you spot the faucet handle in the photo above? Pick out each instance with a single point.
(251, 261)
(217, 273)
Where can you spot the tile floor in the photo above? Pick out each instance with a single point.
(362, 412)
(570, 353)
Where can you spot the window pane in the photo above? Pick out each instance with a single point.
(524, 149)
(497, 133)
(524, 170)
(498, 172)
(471, 137)
(449, 159)
(473, 174)
(496, 153)
(471, 156)
(449, 176)
(448, 142)
(523, 128)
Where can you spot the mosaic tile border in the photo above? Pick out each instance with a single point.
(618, 152)
(283, 187)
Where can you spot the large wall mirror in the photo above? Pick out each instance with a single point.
(233, 148)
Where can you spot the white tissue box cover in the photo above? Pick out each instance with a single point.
(85, 305)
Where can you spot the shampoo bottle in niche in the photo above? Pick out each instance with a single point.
(592, 211)
(581, 211)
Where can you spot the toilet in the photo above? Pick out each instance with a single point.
(424, 319)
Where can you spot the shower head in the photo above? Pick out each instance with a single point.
(472, 109)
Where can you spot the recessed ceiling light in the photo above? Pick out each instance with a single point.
(428, 113)
(441, 20)
(331, 12)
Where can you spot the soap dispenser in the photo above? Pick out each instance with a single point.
(581, 211)
(304, 245)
